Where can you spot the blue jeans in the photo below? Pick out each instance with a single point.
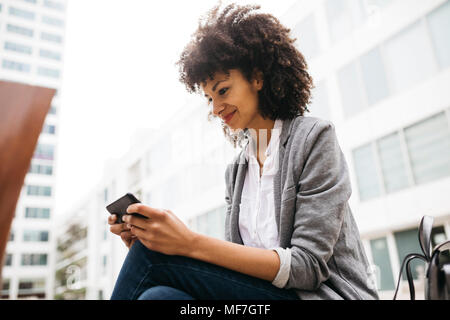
(151, 275)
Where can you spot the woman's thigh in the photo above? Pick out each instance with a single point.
(144, 268)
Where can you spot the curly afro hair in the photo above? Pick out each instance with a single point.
(238, 38)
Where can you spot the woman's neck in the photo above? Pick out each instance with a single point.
(261, 135)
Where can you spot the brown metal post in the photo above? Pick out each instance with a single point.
(23, 109)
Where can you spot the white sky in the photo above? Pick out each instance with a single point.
(120, 75)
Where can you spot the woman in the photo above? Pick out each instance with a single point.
(290, 233)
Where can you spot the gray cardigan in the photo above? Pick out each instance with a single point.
(314, 219)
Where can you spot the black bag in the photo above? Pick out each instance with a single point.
(437, 273)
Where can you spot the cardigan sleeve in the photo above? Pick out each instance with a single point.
(285, 267)
(323, 191)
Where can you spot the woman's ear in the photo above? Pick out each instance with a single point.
(258, 79)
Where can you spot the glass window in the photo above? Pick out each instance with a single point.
(409, 57)
(31, 288)
(34, 259)
(8, 259)
(351, 90)
(39, 213)
(49, 128)
(439, 22)
(17, 66)
(20, 30)
(366, 173)
(374, 76)
(392, 163)
(54, 5)
(53, 21)
(307, 39)
(408, 242)
(35, 235)
(29, 15)
(40, 169)
(51, 37)
(44, 151)
(52, 110)
(381, 259)
(50, 54)
(47, 72)
(428, 145)
(20, 48)
(39, 191)
(4, 292)
(320, 106)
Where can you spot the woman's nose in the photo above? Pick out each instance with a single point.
(217, 109)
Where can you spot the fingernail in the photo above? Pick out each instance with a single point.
(129, 226)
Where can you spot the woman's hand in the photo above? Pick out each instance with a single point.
(121, 230)
(163, 231)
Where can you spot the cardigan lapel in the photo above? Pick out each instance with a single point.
(237, 192)
(280, 176)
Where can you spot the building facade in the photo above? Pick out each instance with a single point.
(32, 35)
(382, 75)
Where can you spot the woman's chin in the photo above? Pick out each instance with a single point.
(233, 127)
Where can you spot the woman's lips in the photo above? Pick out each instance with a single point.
(228, 118)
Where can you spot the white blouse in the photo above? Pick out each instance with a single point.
(257, 224)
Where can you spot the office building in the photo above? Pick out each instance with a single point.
(381, 69)
(32, 36)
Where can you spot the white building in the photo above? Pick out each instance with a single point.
(32, 52)
(382, 76)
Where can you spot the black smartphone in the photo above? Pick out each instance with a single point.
(119, 207)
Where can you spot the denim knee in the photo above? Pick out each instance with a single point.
(164, 293)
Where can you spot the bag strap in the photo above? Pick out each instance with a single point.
(425, 230)
(407, 260)
(444, 246)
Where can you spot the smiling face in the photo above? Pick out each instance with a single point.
(235, 95)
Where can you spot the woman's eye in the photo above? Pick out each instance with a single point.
(222, 91)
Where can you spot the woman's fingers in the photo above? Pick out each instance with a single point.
(128, 238)
(121, 230)
(112, 219)
(118, 228)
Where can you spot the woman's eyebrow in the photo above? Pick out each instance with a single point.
(215, 86)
